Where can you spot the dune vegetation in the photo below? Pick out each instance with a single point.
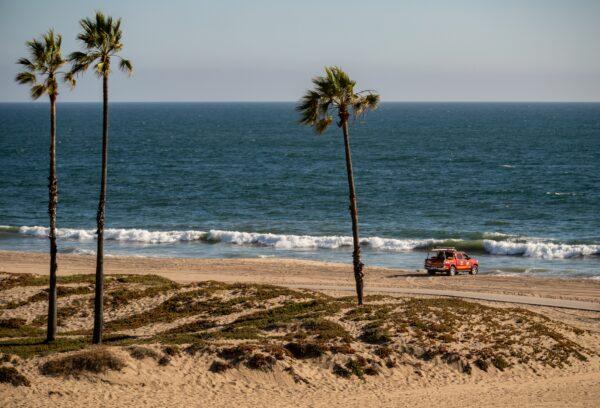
(260, 327)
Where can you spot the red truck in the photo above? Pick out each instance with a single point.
(450, 261)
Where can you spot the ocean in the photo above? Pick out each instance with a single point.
(517, 185)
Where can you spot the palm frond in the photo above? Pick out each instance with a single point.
(36, 48)
(363, 103)
(37, 91)
(372, 100)
(26, 78)
(43, 64)
(322, 124)
(334, 90)
(26, 63)
(81, 61)
(125, 66)
(69, 78)
(309, 107)
(100, 39)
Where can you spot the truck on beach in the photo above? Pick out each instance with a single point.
(450, 261)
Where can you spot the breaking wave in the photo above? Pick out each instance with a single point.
(491, 243)
(540, 249)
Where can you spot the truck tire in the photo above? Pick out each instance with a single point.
(430, 272)
(474, 270)
(452, 271)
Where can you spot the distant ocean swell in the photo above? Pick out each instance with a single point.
(491, 243)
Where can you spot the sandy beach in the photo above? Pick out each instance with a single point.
(278, 271)
(187, 379)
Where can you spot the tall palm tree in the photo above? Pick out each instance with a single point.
(334, 94)
(41, 71)
(101, 41)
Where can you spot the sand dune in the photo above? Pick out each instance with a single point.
(552, 355)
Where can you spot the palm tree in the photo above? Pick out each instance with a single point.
(101, 41)
(41, 71)
(334, 94)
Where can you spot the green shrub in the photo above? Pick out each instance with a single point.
(373, 333)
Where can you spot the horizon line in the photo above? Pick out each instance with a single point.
(295, 101)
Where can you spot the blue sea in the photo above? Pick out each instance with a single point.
(516, 185)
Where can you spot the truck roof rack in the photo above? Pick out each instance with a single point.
(443, 249)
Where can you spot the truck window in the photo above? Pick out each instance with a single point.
(459, 256)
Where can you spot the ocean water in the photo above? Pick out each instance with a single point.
(517, 185)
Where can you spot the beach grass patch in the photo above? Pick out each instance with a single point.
(237, 353)
(195, 302)
(16, 327)
(305, 350)
(356, 367)
(30, 347)
(61, 291)
(95, 360)
(324, 329)
(219, 366)
(375, 333)
(260, 361)
(141, 353)
(383, 352)
(76, 307)
(198, 347)
(27, 279)
(171, 350)
(234, 333)
(198, 325)
(10, 375)
(341, 371)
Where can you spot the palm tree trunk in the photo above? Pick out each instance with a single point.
(99, 295)
(52, 204)
(358, 265)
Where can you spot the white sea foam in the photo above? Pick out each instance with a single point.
(279, 241)
(77, 251)
(493, 243)
(118, 234)
(285, 241)
(539, 249)
(560, 193)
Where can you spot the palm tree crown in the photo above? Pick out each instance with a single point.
(42, 67)
(335, 90)
(101, 39)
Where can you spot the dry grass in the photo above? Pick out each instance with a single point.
(15, 327)
(219, 366)
(10, 375)
(304, 350)
(140, 353)
(257, 325)
(95, 360)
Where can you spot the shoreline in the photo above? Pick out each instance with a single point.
(294, 272)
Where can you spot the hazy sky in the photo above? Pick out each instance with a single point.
(267, 50)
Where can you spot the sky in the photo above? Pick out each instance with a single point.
(268, 50)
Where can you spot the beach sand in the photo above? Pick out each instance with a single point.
(187, 382)
(281, 271)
